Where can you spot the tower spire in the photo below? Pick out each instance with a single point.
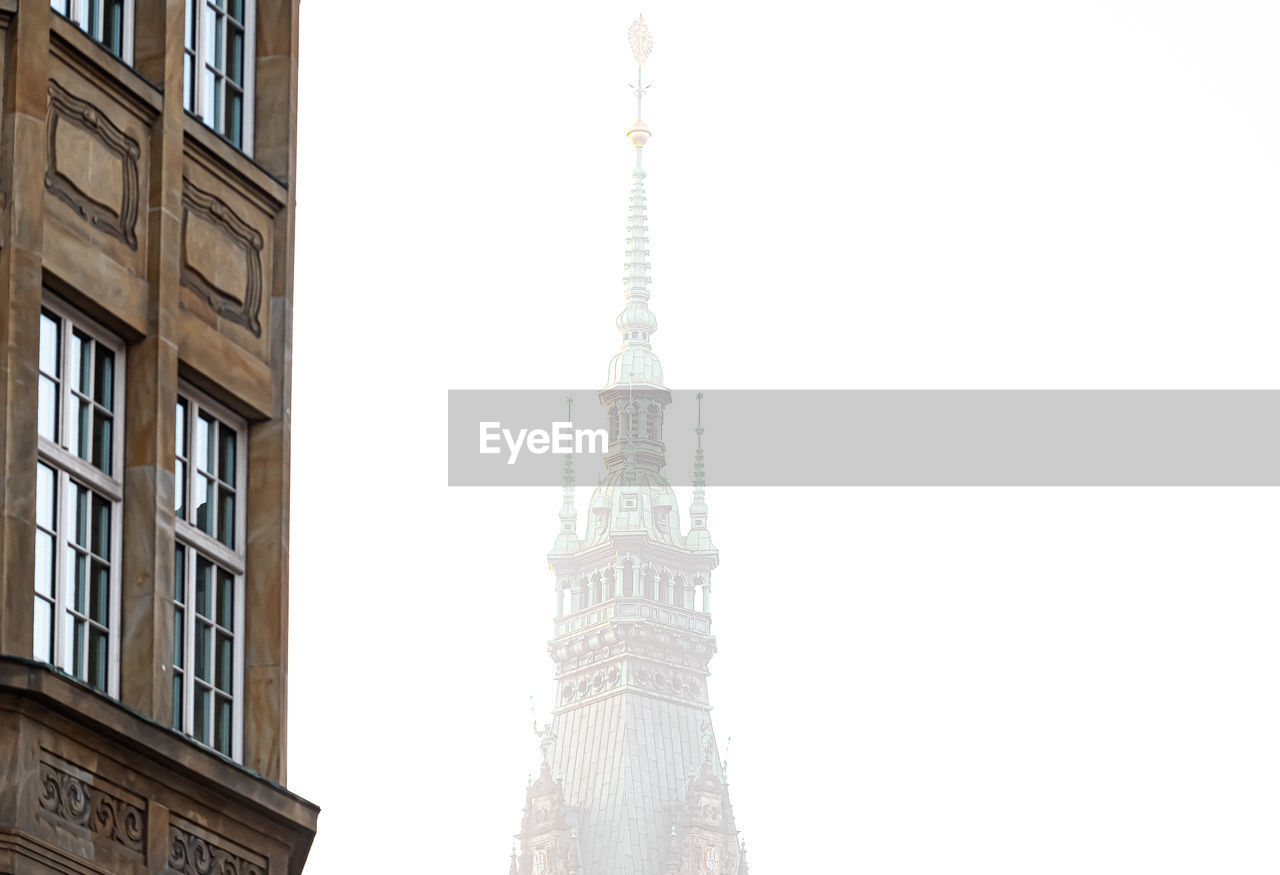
(636, 363)
(567, 540)
(699, 538)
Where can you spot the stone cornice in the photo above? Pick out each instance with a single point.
(673, 646)
(687, 561)
(46, 696)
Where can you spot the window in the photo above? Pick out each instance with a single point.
(217, 72)
(78, 493)
(208, 574)
(110, 22)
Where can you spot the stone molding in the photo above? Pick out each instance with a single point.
(206, 206)
(657, 679)
(119, 221)
(79, 802)
(675, 647)
(190, 854)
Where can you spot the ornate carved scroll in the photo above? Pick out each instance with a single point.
(78, 802)
(80, 186)
(192, 855)
(200, 261)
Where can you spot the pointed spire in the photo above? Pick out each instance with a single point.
(636, 363)
(567, 540)
(699, 468)
(515, 870)
(699, 538)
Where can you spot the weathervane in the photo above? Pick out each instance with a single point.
(641, 42)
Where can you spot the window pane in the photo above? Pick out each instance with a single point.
(226, 517)
(101, 527)
(97, 676)
(219, 120)
(217, 50)
(235, 8)
(79, 564)
(177, 701)
(44, 563)
(224, 663)
(227, 455)
(234, 113)
(80, 364)
(189, 27)
(73, 651)
(47, 409)
(103, 375)
(188, 82)
(180, 466)
(60, 6)
(43, 642)
(180, 429)
(226, 598)
(235, 54)
(204, 586)
(46, 497)
(205, 449)
(204, 634)
(208, 26)
(80, 514)
(113, 26)
(179, 574)
(49, 325)
(208, 85)
(202, 716)
(102, 441)
(222, 734)
(78, 438)
(180, 489)
(179, 637)
(100, 593)
(204, 503)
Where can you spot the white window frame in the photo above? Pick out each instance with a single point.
(68, 466)
(78, 13)
(201, 103)
(195, 541)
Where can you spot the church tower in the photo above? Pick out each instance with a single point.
(631, 780)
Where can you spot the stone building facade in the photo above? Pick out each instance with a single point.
(147, 169)
(631, 780)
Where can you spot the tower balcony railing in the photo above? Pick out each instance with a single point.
(633, 608)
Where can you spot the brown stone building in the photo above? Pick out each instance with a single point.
(147, 169)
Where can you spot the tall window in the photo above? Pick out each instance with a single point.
(217, 74)
(208, 574)
(78, 493)
(110, 22)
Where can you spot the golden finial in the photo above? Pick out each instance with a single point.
(641, 40)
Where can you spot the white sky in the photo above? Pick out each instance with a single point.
(880, 195)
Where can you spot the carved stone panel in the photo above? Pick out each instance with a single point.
(191, 854)
(79, 802)
(221, 257)
(92, 165)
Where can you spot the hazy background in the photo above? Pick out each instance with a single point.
(876, 195)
